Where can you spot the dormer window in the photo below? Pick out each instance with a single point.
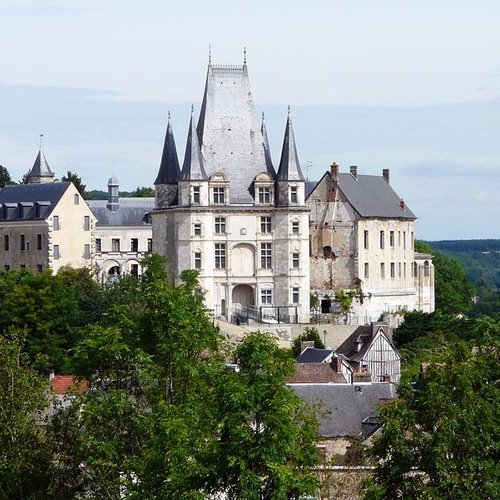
(264, 188)
(264, 195)
(219, 195)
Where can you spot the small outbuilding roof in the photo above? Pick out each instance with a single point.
(314, 355)
(130, 212)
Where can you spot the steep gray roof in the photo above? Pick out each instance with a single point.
(131, 212)
(169, 171)
(313, 355)
(343, 407)
(229, 130)
(267, 149)
(193, 167)
(41, 167)
(289, 168)
(373, 196)
(46, 196)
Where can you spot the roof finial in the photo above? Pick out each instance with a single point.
(192, 109)
(289, 110)
(244, 56)
(209, 54)
(263, 116)
(41, 137)
(168, 115)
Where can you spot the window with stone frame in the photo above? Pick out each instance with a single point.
(219, 195)
(150, 244)
(86, 251)
(295, 227)
(86, 223)
(295, 260)
(134, 244)
(367, 270)
(393, 270)
(366, 240)
(295, 295)
(6, 243)
(195, 195)
(56, 226)
(391, 238)
(38, 241)
(115, 244)
(382, 270)
(197, 228)
(220, 225)
(57, 252)
(264, 195)
(98, 245)
(294, 194)
(265, 224)
(382, 239)
(266, 259)
(220, 255)
(197, 260)
(266, 296)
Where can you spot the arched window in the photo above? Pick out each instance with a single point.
(328, 252)
(426, 268)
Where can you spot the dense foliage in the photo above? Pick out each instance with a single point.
(165, 417)
(310, 334)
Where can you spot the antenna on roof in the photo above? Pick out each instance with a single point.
(41, 137)
(209, 54)
(244, 56)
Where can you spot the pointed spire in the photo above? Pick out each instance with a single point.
(169, 171)
(40, 172)
(244, 56)
(209, 54)
(289, 168)
(267, 150)
(193, 167)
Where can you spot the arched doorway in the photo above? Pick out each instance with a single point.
(243, 296)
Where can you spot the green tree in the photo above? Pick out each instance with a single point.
(144, 192)
(5, 178)
(441, 438)
(77, 181)
(25, 455)
(310, 334)
(265, 440)
(453, 292)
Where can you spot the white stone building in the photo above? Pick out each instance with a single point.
(123, 234)
(228, 214)
(362, 242)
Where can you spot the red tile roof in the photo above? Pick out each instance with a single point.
(315, 373)
(61, 384)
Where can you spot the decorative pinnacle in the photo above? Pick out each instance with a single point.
(192, 109)
(41, 137)
(168, 115)
(244, 55)
(263, 116)
(209, 54)
(289, 110)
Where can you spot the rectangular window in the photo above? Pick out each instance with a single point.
(367, 270)
(382, 270)
(197, 228)
(98, 245)
(295, 260)
(134, 244)
(391, 238)
(134, 270)
(265, 224)
(412, 240)
(295, 295)
(55, 223)
(365, 240)
(38, 241)
(86, 223)
(115, 244)
(295, 227)
(393, 270)
(294, 194)
(382, 239)
(264, 195)
(399, 269)
(86, 251)
(6, 267)
(57, 253)
(399, 238)
(22, 243)
(219, 196)
(150, 244)
(76, 199)
(266, 260)
(197, 260)
(6, 243)
(220, 256)
(23, 266)
(220, 225)
(195, 195)
(404, 239)
(266, 297)
(39, 268)
(404, 270)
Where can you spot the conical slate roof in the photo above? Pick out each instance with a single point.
(41, 167)
(267, 150)
(193, 167)
(289, 169)
(169, 172)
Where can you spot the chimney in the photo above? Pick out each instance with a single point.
(354, 171)
(336, 364)
(385, 174)
(402, 204)
(334, 169)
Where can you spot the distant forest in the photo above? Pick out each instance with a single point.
(454, 246)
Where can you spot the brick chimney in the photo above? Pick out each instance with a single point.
(334, 169)
(385, 174)
(354, 171)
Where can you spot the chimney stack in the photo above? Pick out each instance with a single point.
(385, 174)
(354, 171)
(334, 169)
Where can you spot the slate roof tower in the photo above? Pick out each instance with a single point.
(40, 173)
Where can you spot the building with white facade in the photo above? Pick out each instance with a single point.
(228, 214)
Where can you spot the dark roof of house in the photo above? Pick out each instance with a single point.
(41, 167)
(313, 355)
(131, 212)
(46, 196)
(315, 373)
(343, 407)
(348, 347)
(370, 195)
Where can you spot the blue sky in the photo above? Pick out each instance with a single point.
(387, 84)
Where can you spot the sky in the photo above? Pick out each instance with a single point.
(409, 86)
